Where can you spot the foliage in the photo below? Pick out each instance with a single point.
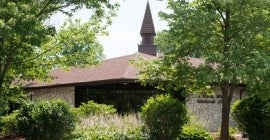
(210, 45)
(253, 116)
(75, 44)
(232, 132)
(11, 100)
(30, 48)
(45, 120)
(164, 116)
(190, 132)
(110, 127)
(92, 108)
(8, 123)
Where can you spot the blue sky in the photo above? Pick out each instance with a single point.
(124, 33)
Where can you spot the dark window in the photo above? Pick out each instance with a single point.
(124, 97)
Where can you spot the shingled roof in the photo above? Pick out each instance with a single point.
(148, 24)
(114, 69)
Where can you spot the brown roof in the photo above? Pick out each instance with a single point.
(118, 68)
(148, 24)
(111, 70)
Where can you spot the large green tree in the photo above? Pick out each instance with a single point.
(229, 38)
(30, 48)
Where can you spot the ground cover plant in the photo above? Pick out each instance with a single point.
(110, 127)
(101, 122)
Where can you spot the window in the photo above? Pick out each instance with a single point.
(125, 98)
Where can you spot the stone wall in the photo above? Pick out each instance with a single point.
(65, 93)
(207, 109)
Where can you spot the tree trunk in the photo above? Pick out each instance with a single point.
(227, 94)
(224, 134)
(227, 89)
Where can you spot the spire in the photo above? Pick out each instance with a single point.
(148, 24)
(148, 34)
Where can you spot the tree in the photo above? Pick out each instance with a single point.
(30, 48)
(230, 40)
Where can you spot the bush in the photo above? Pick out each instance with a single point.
(253, 116)
(164, 116)
(45, 120)
(92, 108)
(194, 133)
(8, 123)
(10, 100)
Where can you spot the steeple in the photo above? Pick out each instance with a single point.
(147, 33)
(148, 24)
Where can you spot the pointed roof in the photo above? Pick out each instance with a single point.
(148, 24)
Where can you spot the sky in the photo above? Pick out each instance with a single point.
(124, 33)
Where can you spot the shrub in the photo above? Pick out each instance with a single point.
(8, 123)
(45, 120)
(92, 108)
(194, 133)
(164, 116)
(253, 116)
(10, 100)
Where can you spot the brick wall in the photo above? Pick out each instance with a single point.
(65, 93)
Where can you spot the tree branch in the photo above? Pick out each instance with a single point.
(218, 35)
(35, 57)
(53, 9)
(43, 9)
(4, 71)
(221, 15)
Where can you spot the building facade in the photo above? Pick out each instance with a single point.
(114, 82)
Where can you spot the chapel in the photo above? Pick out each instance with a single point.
(114, 82)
